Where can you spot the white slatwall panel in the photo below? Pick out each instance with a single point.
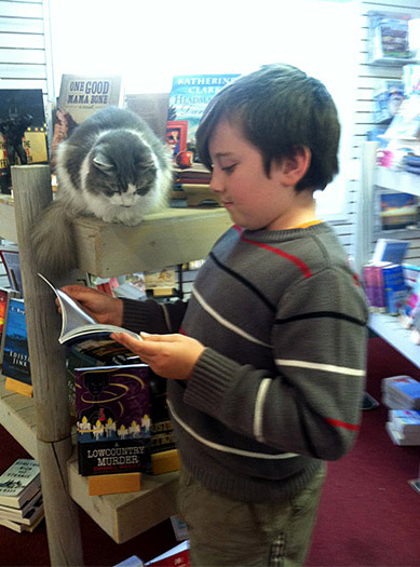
(25, 52)
(368, 77)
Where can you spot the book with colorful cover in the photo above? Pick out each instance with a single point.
(19, 483)
(395, 288)
(390, 250)
(81, 96)
(113, 419)
(23, 130)
(16, 366)
(189, 96)
(5, 295)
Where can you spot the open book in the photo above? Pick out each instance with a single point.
(76, 324)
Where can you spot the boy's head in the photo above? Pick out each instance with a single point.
(279, 110)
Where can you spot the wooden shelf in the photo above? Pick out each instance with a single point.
(390, 329)
(121, 516)
(17, 416)
(174, 236)
(171, 237)
(124, 516)
(398, 180)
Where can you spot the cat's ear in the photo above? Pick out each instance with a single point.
(102, 162)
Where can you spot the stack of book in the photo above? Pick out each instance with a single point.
(384, 277)
(193, 184)
(403, 427)
(21, 505)
(401, 392)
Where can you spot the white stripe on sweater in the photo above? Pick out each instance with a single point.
(258, 413)
(224, 448)
(224, 322)
(319, 366)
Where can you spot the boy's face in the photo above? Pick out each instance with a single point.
(252, 199)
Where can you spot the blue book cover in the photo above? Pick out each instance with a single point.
(395, 288)
(16, 352)
(189, 96)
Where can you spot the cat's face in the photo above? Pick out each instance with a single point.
(122, 168)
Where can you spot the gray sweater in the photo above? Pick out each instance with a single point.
(279, 386)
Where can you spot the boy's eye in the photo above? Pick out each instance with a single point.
(229, 168)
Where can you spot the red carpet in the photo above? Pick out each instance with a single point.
(369, 515)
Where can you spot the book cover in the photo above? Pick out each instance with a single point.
(19, 482)
(11, 263)
(81, 96)
(76, 324)
(405, 421)
(398, 210)
(5, 295)
(178, 556)
(113, 419)
(390, 250)
(16, 364)
(23, 130)
(189, 96)
(395, 288)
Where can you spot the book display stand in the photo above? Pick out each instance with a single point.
(42, 424)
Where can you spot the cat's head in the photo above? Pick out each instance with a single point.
(122, 167)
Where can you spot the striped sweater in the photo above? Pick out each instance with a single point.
(279, 386)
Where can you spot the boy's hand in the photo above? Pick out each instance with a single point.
(170, 356)
(101, 306)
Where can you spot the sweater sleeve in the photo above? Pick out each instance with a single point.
(153, 317)
(310, 403)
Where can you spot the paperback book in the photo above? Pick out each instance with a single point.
(11, 263)
(76, 324)
(29, 517)
(81, 96)
(16, 365)
(5, 295)
(189, 96)
(19, 483)
(113, 419)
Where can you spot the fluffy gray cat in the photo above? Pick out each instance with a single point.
(112, 167)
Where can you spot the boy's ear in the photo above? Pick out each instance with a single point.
(294, 167)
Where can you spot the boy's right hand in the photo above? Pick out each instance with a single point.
(101, 306)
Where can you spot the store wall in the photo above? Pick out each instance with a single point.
(26, 62)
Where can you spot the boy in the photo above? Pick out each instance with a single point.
(266, 366)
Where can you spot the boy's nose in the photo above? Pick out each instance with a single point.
(215, 183)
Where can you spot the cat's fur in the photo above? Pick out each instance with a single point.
(112, 167)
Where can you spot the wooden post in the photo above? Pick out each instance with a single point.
(32, 193)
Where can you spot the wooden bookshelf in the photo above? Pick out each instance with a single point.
(42, 425)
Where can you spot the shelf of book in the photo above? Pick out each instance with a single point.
(389, 328)
(42, 426)
(401, 181)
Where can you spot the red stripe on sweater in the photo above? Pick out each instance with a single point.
(301, 265)
(338, 423)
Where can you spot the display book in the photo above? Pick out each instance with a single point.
(21, 505)
(89, 345)
(5, 295)
(188, 98)
(23, 131)
(79, 97)
(383, 276)
(16, 364)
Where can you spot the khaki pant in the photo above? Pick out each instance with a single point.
(226, 532)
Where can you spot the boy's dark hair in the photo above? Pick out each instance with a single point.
(279, 109)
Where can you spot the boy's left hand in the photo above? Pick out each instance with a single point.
(171, 356)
